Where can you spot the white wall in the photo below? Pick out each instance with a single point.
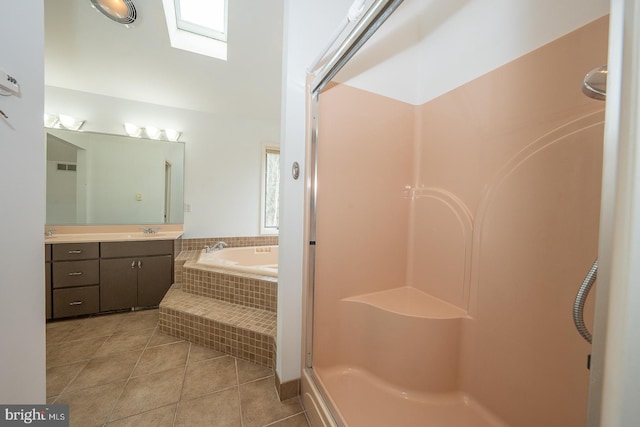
(61, 194)
(222, 155)
(308, 26)
(615, 375)
(22, 174)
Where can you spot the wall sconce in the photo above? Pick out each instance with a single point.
(62, 121)
(151, 132)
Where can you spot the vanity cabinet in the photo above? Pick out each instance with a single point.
(135, 274)
(47, 281)
(75, 279)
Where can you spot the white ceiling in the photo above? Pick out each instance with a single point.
(429, 47)
(87, 52)
(432, 46)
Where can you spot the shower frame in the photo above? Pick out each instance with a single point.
(338, 52)
(607, 401)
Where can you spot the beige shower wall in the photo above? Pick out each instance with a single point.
(500, 219)
(529, 158)
(364, 158)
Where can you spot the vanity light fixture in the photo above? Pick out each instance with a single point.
(120, 11)
(152, 132)
(62, 121)
(50, 120)
(133, 130)
(69, 122)
(172, 134)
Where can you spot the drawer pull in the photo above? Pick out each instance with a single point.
(75, 273)
(133, 264)
(77, 251)
(76, 303)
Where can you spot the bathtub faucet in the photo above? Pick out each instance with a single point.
(218, 246)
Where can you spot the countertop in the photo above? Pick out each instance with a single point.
(111, 237)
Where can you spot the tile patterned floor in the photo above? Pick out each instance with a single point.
(119, 370)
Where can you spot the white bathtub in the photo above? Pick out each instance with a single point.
(260, 260)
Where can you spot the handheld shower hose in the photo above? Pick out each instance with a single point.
(581, 297)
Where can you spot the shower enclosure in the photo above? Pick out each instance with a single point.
(448, 236)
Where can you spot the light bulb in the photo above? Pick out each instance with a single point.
(172, 134)
(132, 130)
(152, 132)
(50, 121)
(116, 8)
(70, 122)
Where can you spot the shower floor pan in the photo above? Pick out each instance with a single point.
(365, 400)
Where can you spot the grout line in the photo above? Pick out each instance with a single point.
(184, 378)
(286, 418)
(72, 379)
(186, 364)
(255, 380)
(235, 364)
(127, 381)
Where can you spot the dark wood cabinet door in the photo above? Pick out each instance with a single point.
(154, 279)
(118, 283)
(47, 289)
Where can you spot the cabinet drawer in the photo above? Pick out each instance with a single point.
(72, 251)
(76, 273)
(134, 249)
(75, 301)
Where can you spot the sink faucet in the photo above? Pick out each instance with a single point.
(49, 232)
(216, 247)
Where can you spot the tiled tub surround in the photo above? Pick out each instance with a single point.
(189, 249)
(232, 313)
(246, 290)
(232, 242)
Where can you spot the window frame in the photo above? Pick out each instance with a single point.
(265, 150)
(191, 27)
(189, 41)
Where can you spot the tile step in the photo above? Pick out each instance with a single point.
(244, 332)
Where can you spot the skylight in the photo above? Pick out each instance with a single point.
(205, 17)
(199, 26)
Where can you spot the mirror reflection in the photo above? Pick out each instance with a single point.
(97, 179)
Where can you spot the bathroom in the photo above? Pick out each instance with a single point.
(301, 19)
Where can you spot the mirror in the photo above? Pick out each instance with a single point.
(102, 179)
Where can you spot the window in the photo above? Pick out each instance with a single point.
(198, 26)
(270, 197)
(205, 17)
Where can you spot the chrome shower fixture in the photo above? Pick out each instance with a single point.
(595, 83)
(120, 11)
